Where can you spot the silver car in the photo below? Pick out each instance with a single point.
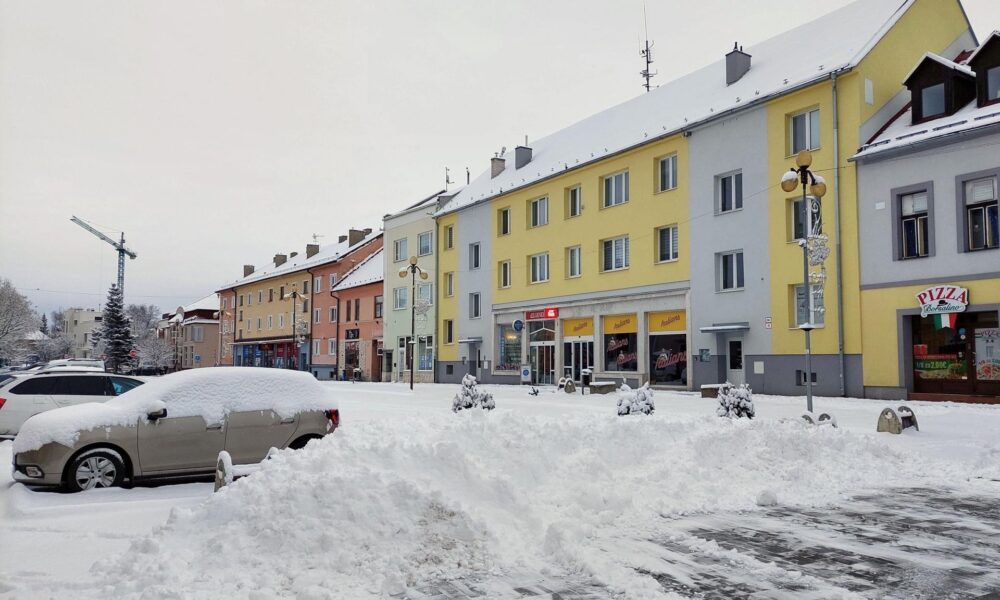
(174, 426)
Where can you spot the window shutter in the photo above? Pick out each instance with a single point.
(674, 253)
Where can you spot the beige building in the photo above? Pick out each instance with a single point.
(79, 324)
(194, 332)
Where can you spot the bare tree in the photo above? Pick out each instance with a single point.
(142, 319)
(17, 320)
(57, 346)
(155, 353)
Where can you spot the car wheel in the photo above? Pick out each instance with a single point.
(302, 441)
(98, 468)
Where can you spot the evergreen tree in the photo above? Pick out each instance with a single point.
(115, 334)
(45, 325)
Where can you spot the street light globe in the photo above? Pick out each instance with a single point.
(423, 275)
(804, 159)
(790, 181)
(402, 273)
(818, 187)
(413, 260)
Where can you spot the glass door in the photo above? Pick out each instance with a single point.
(543, 364)
(577, 355)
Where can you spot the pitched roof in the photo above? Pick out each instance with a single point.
(989, 38)
(902, 133)
(326, 254)
(801, 56)
(942, 61)
(370, 270)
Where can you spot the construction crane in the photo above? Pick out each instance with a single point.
(119, 246)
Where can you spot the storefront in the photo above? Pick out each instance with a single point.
(542, 345)
(277, 354)
(578, 347)
(621, 344)
(668, 358)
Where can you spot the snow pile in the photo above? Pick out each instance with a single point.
(638, 401)
(210, 393)
(736, 401)
(390, 505)
(471, 396)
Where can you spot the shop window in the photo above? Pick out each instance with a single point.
(668, 359)
(981, 214)
(509, 349)
(351, 356)
(621, 352)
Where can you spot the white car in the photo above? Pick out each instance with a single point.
(91, 363)
(23, 397)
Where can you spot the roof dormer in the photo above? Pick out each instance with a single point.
(985, 61)
(939, 87)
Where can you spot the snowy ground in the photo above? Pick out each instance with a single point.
(548, 496)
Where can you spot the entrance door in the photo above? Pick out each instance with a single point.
(543, 364)
(734, 373)
(577, 355)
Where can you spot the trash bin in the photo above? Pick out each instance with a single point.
(585, 375)
(357, 374)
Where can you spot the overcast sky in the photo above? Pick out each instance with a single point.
(217, 134)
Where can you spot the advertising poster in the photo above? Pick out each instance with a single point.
(988, 354)
(939, 366)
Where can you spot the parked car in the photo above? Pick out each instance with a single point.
(175, 425)
(29, 394)
(95, 363)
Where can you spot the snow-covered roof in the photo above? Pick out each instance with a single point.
(35, 336)
(989, 38)
(801, 56)
(370, 270)
(328, 253)
(199, 321)
(902, 133)
(943, 61)
(209, 302)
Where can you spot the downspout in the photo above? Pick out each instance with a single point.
(438, 280)
(309, 350)
(839, 245)
(336, 345)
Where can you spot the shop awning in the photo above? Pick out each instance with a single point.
(471, 340)
(725, 328)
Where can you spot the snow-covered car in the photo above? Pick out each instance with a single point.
(24, 396)
(174, 426)
(95, 363)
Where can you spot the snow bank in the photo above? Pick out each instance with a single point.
(210, 393)
(392, 504)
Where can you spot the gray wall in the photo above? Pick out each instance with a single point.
(736, 143)
(939, 166)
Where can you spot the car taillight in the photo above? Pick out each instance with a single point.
(2, 402)
(334, 416)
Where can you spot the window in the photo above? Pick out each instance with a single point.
(981, 213)
(730, 270)
(449, 237)
(913, 225)
(809, 310)
(198, 334)
(475, 310)
(668, 173)
(270, 321)
(574, 202)
(317, 284)
(357, 309)
(331, 347)
(317, 348)
(932, 101)
(425, 243)
(509, 350)
(449, 331)
(348, 304)
(249, 299)
(259, 324)
(539, 268)
(333, 280)
(474, 255)
(574, 262)
(503, 221)
(804, 131)
(241, 304)
(616, 189)
(305, 306)
(538, 212)
(504, 271)
(333, 314)
(425, 353)
(305, 286)
(666, 243)
(449, 284)
(399, 298)
(615, 254)
(281, 321)
(813, 219)
(317, 315)
(281, 293)
(399, 252)
(730, 192)
(425, 293)
(378, 307)
(270, 294)
(993, 84)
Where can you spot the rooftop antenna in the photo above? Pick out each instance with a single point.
(647, 53)
(316, 237)
(468, 176)
(447, 178)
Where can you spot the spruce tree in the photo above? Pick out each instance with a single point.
(45, 325)
(115, 333)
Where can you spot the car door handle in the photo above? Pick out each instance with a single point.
(213, 426)
(288, 420)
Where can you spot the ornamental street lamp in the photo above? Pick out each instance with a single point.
(811, 235)
(295, 331)
(412, 269)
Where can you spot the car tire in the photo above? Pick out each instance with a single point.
(97, 468)
(302, 441)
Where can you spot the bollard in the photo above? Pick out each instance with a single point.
(892, 422)
(907, 418)
(570, 387)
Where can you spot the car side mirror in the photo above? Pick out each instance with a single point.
(156, 415)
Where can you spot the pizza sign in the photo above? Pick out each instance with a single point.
(943, 299)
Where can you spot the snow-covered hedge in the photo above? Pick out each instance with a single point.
(735, 401)
(471, 396)
(635, 401)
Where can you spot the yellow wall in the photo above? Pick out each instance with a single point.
(881, 348)
(639, 217)
(447, 306)
(291, 281)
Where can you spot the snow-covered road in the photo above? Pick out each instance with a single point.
(552, 491)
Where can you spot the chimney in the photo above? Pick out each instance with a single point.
(368, 230)
(355, 235)
(312, 250)
(737, 64)
(279, 259)
(342, 239)
(496, 166)
(293, 255)
(522, 156)
(247, 270)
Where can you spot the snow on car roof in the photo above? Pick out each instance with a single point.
(210, 393)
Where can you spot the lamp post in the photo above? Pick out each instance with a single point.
(295, 332)
(790, 181)
(412, 269)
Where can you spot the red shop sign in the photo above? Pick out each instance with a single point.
(545, 313)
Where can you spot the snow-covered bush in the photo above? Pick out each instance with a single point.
(635, 401)
(471, 396)
(735, 401)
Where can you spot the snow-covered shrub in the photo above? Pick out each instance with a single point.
(471, 396)
(735, 401)
(635, 401)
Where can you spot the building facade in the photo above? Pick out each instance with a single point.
(79, 325)
(930, 237)
(361, 316)
(193, 330)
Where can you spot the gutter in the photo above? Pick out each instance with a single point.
(925, 144)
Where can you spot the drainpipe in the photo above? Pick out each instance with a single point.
(336, 347)
(838, 251)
